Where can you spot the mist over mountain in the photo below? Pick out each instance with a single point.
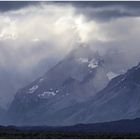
(33, 37)
(119, 100)
(82, 88)
(74, 79)
(63, 63)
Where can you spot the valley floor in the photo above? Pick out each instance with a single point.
(66, 135)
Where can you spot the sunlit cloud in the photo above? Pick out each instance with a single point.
(34, 38)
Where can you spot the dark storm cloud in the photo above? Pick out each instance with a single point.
(105, 10)
(13, 5)
(105, 15)
(108, 10)
(97, 10)
(95, 4)
(34, 36)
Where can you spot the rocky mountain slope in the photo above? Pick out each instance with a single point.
(77, 78)
(119, 100)
(77, 90)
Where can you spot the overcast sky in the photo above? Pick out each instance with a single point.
(36, 35)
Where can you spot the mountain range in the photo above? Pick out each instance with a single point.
(81, 88)
(121, 126)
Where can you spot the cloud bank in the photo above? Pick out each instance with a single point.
(35, 36)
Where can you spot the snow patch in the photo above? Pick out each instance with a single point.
(41, 80)
(57, 91)
(138, 67)
(111, 75)
(83, 60)
(93, 64)
(33, 89)
(47, 94)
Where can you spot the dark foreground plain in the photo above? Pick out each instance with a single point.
(66, 135)
(116, 129)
